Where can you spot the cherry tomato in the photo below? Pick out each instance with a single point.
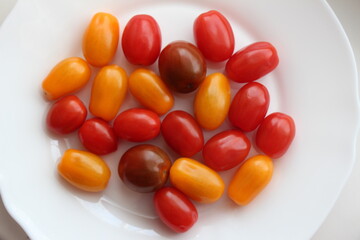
(175, 209)
(144, 168)
(225, 150)
(66, 115)
(249, 106)
(197, 181)
(182, 66)
(98, 136)
(182, 133)
(250, 179)
(275, 134)
(137, 125)
(108, 92)
(101, 39)
(214, 36)
(150, 91)
(212, 101)
(68, 76)
(84, 170)
(252, 62)
(141, 40)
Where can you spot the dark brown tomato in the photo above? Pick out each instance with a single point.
(182, 66)
(144, 168)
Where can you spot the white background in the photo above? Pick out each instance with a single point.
(343, 221)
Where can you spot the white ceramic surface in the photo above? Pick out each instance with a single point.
(316, 61)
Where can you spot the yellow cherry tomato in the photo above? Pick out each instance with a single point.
(212, 101)
(68, 76)
(197, 181)
(108, 92)
(84, 170)
(250, 179)
(150, 91)
(101, 39)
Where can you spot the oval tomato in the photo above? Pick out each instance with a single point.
(101, 39)
(98, 136)
(150, 91)
(182, 133)
(84, 170)
(275, 134)
(252, 62)
(249, 106)
(225, 150)
(175, 209)
(182, 66)
(144, 168)
(214, 36)
(137, 125)
(141, 40)
(197, 181)
(250, 179)
(68, 76)
(66, 115)
(108, 92)
(212, 101)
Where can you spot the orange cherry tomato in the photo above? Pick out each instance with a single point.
(197, 181)
(101, 39)
(250, 179)
(150, 91)
(108, 92)
(84, 170)
(212, 101)
(68, 76)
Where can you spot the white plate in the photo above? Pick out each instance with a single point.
(315, 83)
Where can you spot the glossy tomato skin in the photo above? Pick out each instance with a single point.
(108, 92)
(141, 40)
(150, 91)
(250, 179)
(182, 66)
(196, 180)
(182, 133)
(226, 150)
(214, 36)
(98, 136)
(100, 40)
(252, 62)
(275, 134)
(144, 168)
(137, 125)
(66, 115)
(175, 209)
(68, 76)
(84, 170)
(212, 101)
(249, 106)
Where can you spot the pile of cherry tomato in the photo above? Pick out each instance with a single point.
(182, 68)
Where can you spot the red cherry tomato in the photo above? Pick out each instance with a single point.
(249, 106)
(182, 133)
(225, 150)
(214, 36)
(66, 115)
(175, 209)
(141, 40)
(137, 125)
(98, 136)
(252, 62)
(275, 134)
